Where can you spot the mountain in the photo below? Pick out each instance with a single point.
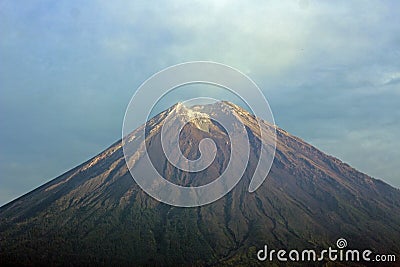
(95, 214)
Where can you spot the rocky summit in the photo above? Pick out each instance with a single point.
(95, 214)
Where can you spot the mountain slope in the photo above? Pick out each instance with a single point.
(96, 213)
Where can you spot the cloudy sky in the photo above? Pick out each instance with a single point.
(331, 73)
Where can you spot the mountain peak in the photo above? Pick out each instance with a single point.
(199, 119)
(98, 213)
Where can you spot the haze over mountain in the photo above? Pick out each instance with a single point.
(95, 214)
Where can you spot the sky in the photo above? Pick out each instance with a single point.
(329, 69)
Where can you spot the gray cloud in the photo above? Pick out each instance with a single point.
(68, 70)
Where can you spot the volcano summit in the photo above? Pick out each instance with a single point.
(95, 214)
